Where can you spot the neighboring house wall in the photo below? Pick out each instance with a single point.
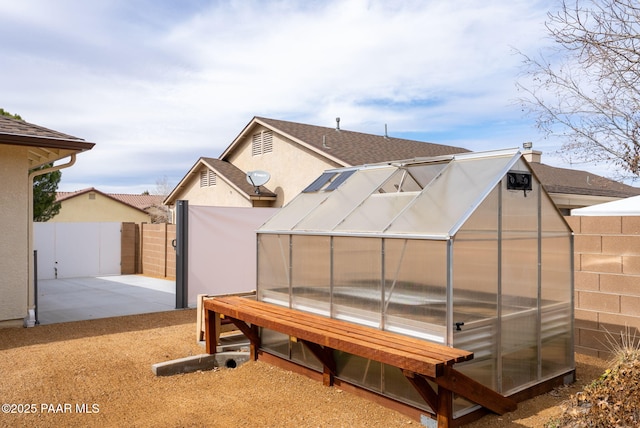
(220, 193)
(292, 166)
(95, 207)
(15, 231)
(607, 281)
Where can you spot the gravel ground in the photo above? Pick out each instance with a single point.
(98, 373)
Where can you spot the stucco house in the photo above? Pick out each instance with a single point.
(294, 154)
(92, 205)
(24, 146)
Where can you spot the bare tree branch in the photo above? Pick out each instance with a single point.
(587, 90)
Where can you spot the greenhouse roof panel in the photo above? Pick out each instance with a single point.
(453, 196)
(430, 197)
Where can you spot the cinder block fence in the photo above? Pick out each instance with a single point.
(607, 281)
(148, 249)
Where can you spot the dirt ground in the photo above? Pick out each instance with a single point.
(98, 373)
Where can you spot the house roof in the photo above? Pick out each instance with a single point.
(47, 145)
(139, 202)
(228, 172)
(235, 176)
(572, 181)
(347, 148)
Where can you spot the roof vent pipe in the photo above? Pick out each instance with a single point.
(385, 131)
(337, 123)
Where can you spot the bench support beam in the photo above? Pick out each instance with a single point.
(424, 389)
(325, 355)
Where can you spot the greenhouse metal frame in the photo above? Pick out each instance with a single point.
(466, 250)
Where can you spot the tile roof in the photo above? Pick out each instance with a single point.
(141, 202)
(573, 181)
(357, 148)
(236, 176)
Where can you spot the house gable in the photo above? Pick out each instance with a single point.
(92, 205)
(215, 182)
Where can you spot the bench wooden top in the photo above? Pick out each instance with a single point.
(407, 353)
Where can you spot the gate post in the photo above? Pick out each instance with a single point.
(181, 246)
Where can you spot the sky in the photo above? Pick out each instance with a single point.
(157, 84)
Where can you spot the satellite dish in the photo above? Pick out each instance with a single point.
(258, 178)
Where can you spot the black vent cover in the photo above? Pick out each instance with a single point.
(519, 181)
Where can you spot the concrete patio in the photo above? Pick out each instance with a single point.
(77, 299)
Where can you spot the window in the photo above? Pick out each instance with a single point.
(262, 143)
(207, 178)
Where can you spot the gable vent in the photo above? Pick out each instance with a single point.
(207, 178)
(262, 143)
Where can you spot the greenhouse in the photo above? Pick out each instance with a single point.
(466, 250)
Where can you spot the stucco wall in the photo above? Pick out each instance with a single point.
(607, 280)
(221, 194)
(99, 208)
(14, 247)
(292, 167)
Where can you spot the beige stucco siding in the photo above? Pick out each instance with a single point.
(292, 167)
(221, 194)
(95, 207)
(14, 246)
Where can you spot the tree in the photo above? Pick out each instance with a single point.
(45, 186)
(586, 91)
(160, 213)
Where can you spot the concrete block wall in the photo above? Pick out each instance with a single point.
(130, 249)
(607, 281)
(158, 256)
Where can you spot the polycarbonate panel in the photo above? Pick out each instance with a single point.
(475, 264)
(357, 280)
(557, 267)
(557, 292)
(475, 293)
(423, 174)
(273, 269)
(376, 212)
(311, 273)
(396, 385)
(275, 342)
(519, 326)
(345, 199)
(519, 333)
(294, 212)
(301, 355)
(415, 284)
(451, 197)
(359, 370)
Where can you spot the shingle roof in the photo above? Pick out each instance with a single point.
(141, 202)
(235, 175)
(357, 148)
(572, 181)
(11, 126)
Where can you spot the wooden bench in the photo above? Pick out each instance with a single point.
(419, 360)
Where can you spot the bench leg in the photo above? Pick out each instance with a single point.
(445, 408)
(212, 332)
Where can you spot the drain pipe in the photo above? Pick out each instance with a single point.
(30, 319)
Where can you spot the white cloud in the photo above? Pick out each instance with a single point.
(156, 84)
